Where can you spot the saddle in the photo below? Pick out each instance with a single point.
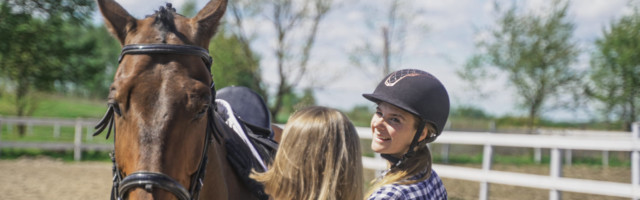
(245, 113)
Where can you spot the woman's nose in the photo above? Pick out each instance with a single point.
(377, 121)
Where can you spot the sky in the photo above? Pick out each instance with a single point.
(453, 27)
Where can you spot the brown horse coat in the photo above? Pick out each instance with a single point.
(163, 100)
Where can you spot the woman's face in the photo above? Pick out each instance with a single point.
(393, 130)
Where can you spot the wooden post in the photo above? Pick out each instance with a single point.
(556, 172)
(487, 157)
(56, 130)
(635, 158)
(89, 137)
(444, 152)
(605, 158)
(29, 128)
(77, 142)
(0, 135)
(567, 157)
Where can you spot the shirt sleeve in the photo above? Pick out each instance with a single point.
(387, 192)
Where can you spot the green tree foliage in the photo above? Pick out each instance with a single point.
(292, 102)
(231, 67)
(469, 112)
(45, 45)
(361, 115)
(535, 52)
(615, 70)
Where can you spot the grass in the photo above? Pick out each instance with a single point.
(51, 105)
(67, 156)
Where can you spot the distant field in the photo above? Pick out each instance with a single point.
(51, 105)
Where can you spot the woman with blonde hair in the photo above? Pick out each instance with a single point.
(319, 158)
(412, 109)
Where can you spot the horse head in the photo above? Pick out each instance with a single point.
(162, 102)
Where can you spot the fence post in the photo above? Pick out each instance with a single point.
(605, 158)
(444, 152)
(29, 128)
(567, 157)
(556, 172)
(77, 142)
(487, 157)
(0, 135)
(537, 152)
(56, 130)
(635, 158)
(89, 137)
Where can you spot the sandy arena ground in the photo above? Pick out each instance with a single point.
(45, 178)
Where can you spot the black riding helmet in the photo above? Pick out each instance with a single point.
(417, 92)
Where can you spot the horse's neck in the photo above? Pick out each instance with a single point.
(215, 184)
(221, 181)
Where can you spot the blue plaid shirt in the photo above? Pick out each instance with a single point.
(429, 189)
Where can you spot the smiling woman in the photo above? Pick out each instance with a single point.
(413, 107)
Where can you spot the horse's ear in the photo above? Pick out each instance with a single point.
(209, 17)
(117, 19)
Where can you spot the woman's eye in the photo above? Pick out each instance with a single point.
(396, 120)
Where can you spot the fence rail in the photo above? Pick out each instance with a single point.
(77, 146)
(556, 142)
(555, 183)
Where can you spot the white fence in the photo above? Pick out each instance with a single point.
(555, 183)
(557, 143)
(77, 146)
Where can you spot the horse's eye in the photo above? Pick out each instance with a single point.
(202, 111)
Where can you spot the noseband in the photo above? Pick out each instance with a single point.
(151, 180)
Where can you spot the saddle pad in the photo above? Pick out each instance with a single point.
(230, 119)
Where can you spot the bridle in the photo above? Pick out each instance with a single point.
(151, 180)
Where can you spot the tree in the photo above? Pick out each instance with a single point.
(391, 25)
(534, 51)
(615, 70)
(34, 48)
(232, 64)
(296, 26)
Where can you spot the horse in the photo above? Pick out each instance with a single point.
(169, 141)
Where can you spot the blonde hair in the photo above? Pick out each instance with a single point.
(420, 161)
(319, 158)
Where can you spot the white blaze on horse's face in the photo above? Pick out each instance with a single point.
(161, 97)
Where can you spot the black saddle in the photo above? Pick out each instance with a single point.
(254, 118)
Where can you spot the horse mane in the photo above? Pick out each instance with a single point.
(164, 18)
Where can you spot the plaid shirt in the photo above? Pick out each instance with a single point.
(429, 189)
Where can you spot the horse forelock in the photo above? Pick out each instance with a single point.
(164, 17)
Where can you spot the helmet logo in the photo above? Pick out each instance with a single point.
(396, 76)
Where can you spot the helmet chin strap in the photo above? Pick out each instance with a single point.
(395, 162)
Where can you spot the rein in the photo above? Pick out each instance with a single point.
(149, 180)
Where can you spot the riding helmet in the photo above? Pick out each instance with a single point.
(417, 92)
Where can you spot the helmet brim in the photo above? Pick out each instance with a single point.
(376, 98)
